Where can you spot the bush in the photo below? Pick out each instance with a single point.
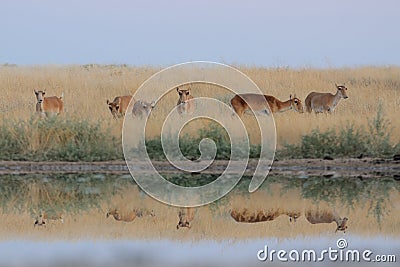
(347, 142)
(189, 145)
(57, 139)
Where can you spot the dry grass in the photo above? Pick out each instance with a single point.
(86, 90)
(211, 222)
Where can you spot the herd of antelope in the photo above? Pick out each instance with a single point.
(187, 215)
(313, 216)
(241, 103)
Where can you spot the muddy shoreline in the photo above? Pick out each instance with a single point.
(300, 168)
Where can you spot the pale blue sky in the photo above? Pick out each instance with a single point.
(264, 33)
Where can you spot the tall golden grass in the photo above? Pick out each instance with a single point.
(86, 89)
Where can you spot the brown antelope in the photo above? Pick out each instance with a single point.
(185, 215)
(130, 215)
(185, 103)
(48, 105)
(325, 102)
(242, 103)
(293, 215)
(43, 217)
(325, 216)
(278, 106)
(119, 105)
(141, 108)
(246, 216)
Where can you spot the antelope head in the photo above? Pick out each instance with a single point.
(183, 94)
(296, 104)
(39, 95)
(342, 90)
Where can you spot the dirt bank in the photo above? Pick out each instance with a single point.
(301, 168)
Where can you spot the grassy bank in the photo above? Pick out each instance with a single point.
(58, 139)
(86, 89)
(65, 139)
(365, 123)
(348, 141)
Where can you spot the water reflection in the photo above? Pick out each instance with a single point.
(316, 205)
(103, 220)
(174, 253)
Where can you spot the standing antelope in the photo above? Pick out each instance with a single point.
(185, 215)
(130, 215)
(325, 102)
(119, 105)
(185, 103)
(317, 216)
(247, 216)
(48, 105)
(242, 103)
(278, 106)
(141, 108)
(43, 217)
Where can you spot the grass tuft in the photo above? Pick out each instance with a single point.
(349, 141)
(58, 139)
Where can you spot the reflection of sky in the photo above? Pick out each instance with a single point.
(173, 253)
(269, 33)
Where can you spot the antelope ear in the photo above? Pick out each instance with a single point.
(290, 96)
(336, 85)
(35, 91)
(177, 89)
(108, 102)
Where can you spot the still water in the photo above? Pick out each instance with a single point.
(78, 231)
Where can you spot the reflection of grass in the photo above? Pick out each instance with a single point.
(62, 193)
(371, 206)
(372, 194)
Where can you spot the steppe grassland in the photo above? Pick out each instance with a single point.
(86, 89)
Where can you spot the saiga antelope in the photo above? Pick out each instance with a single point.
(248, 216)
(43, 217)
(325, 102)
(242, 103)
(141, 108)
(119, 105)
(186, 215)
(185, 103)
(130, 215)
(48, 105)
(325, 216)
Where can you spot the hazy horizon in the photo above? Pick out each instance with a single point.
(309, 33)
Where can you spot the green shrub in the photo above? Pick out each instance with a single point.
(57, 139)
(346, 142)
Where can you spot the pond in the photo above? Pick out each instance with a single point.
(278, 215)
